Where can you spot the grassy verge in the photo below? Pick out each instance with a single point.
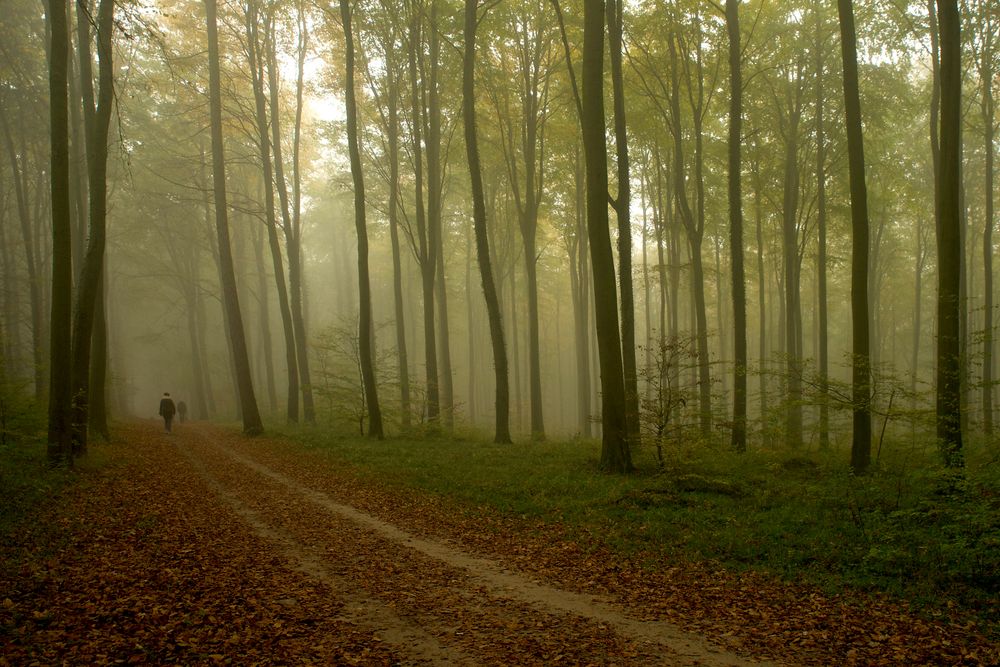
(28, 489)
(910, 529)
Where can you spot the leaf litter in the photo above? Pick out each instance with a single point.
(208, 548)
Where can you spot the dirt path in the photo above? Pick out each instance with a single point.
(577, 627)
(204, 547)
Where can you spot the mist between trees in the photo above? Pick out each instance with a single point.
(764, 223)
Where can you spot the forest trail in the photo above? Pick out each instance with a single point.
(205, 547)
(429, 601)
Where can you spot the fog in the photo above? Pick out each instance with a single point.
(165, 302)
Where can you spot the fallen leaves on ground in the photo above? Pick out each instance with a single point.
(179, 554)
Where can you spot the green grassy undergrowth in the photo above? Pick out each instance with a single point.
(910, 529)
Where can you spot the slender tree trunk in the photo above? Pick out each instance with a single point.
(694, 228)
(291, 225)
(427, 251)
(988, 107)
(97, 415)
(365, 331)
(646, 294)
(444, 340)
(861, 376)
(615, 451)
(198, 370)
(582, 310)
(921, 255)
(249, 413)
(96, 123)
(270, 221)
(761, 291)
(434, 207)
(60, 358)
(397, 271)
(264, 317)
(622, 206)
(471, 397)
(949, 423)
(824, 358)
(793, 413)
(81, 96)
(739, 439)
(502, 427)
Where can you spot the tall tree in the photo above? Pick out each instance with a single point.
(693, 221)
(365, 332)
(255, 60)
(615, 451)
(533, 54)
(425, 246)
(249, 412)
(291, 211)
(502, 426)
(949, 219)
(60, 337)
(988, 21)
(821, 260)
(388, 101)
(861, 356)
(89, 313)
(739, 437)
(622, 205)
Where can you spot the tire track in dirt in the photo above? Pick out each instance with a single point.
(407, 639)
(489, 581)
(425, 591)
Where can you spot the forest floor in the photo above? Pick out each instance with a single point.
(205, 547)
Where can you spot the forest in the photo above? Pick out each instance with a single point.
(737, 245)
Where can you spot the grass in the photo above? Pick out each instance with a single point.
(910, 529)
(28, 485)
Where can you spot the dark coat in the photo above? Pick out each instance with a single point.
(167, 408)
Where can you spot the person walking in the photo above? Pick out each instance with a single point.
(182, 410)
(167, 411)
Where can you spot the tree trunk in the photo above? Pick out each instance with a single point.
(861, 375)
(365, 331)
(264, 318)
(427, 250)
(96, 124)
(988, 108)
(444, 339)
(502, 427)
(264, 142)
(622, 205)
(581, 311)
(290, 224)
(615, 452)
(949, 425)
(761, 289)
(397, 271)
(249, 412)
(793, 334)
(60, 358)
(434, 207)
(739, 439)
(471, 396)
(694, 228)
(824, 358)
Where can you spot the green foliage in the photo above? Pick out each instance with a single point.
(26, 480)
(20, 417)
(910, 528)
